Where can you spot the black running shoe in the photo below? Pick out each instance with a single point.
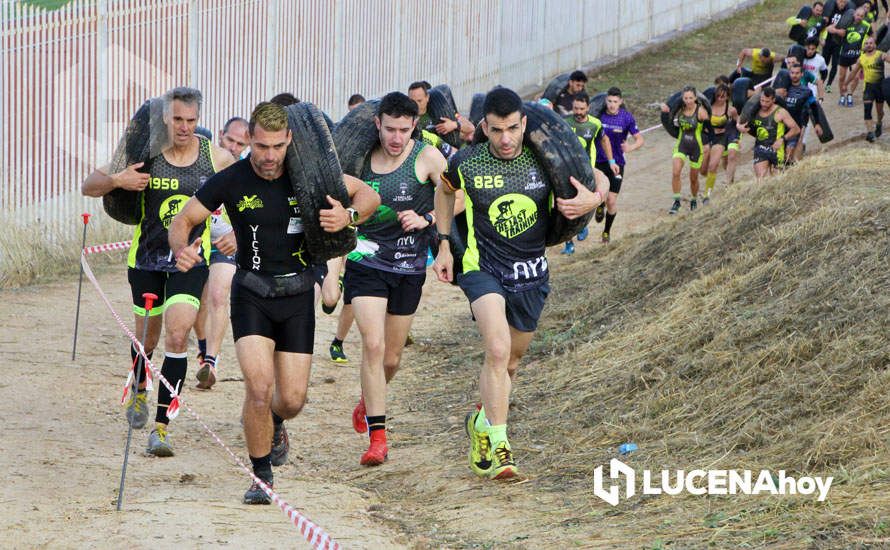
(256, 495)
(870, 137)
(280, 445)
(675, 207)
(879, 129)
(693, 204)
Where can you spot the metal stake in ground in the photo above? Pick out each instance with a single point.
(86, 220)
(137, 377)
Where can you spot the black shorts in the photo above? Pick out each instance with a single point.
(402, 291)
(523, 308)
(217, 257)
(288, 320)
(873, 92)
(719, 139)
(765, 153)
(614, 181)
(847, 61)
(170, 287)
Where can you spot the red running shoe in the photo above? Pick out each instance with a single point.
(376, 453)
(359, 422)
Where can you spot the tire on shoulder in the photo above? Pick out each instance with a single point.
(555, 87)
(143, 139)
(740, 88)
(476, 113)
(561, 156)
(440, 107)
(314, 172)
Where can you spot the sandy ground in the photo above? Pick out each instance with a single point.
(64, 431)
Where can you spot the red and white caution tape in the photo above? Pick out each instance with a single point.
(314, 535)
(108, 247)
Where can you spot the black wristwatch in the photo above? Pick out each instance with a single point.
(444, 237)
(429, 218)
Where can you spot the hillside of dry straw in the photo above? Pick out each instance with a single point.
(751, 334)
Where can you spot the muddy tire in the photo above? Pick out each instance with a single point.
(882, 38)
(798, 33)
(445, 90)
(556, 86)
(782, 80)
(710, 92)
(476, 113)
(561, 155)
(314, 171)
(144, 139)
(752, 106)
(598, 104)
(739, 92)
(355, 136)
(674, 103)
(846, 19)
(440, 107)
(819, 118)
(885, 87)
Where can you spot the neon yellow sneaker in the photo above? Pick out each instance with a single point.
(502, 464)
(158, 443)
(480, 447)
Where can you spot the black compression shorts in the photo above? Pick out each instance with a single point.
(402, 292)
(288, 320)
(614, 181)
(170, 287)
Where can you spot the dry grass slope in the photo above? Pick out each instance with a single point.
(751, 335)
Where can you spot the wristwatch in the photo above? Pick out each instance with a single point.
(353, 216)
(429, 218)
(444, 237)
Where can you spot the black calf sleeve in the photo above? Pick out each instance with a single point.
(174, 369)
(866, 107)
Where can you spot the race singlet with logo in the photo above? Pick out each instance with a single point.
(508, 205)
(382, 244)
(168, 189)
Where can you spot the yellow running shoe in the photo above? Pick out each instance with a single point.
(502, 465)
(480, 447)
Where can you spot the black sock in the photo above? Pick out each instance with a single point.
(336, 342)
(133, 355)
(609, 219)
(210, 359)
(262, 467)
(202, 346)
(376, 423)
(277, 420)
(174, 369)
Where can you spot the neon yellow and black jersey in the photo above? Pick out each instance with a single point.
(589, 132)
(872, 67)
(434, 139)
(508, 208)
(760, 64)
(382, 243)
(168, 189)
(689, 144)
(767, 130)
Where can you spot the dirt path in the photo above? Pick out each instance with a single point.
(64, 431)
